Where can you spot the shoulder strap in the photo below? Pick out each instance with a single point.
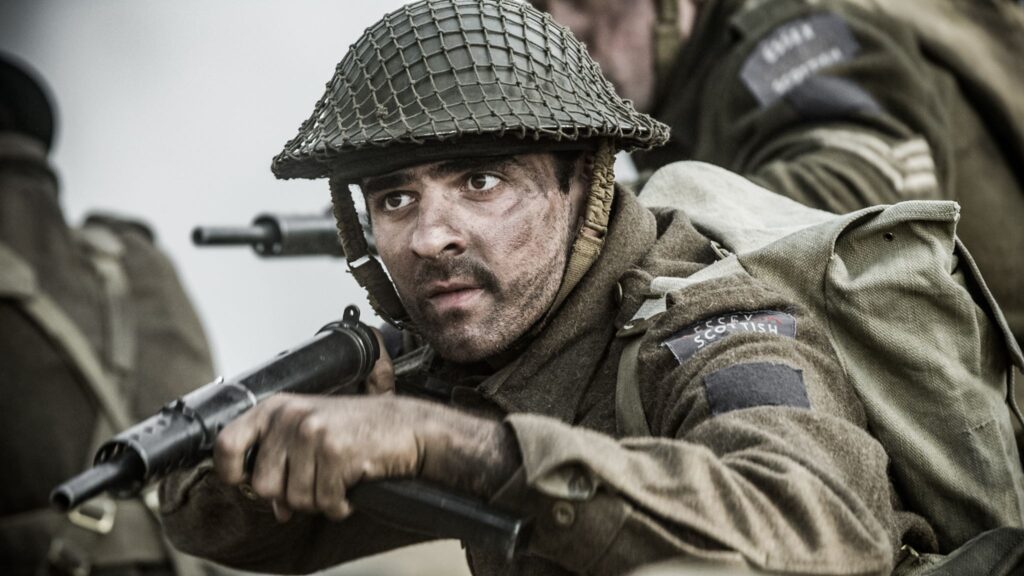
(630, 419)
(629, 408)
(105, 251)
(62, 330)
(77, 541)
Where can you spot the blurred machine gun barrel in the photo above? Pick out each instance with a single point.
(278, 235)
(273, 235)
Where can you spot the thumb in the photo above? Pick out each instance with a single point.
(382, 378)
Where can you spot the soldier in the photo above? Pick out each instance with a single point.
(482, 137)
(838, 104)
(95, 331)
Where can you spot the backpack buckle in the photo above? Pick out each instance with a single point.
(96, 515)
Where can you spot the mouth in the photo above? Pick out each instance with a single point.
(450, 295)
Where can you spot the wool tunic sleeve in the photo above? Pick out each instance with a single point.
(758, 455)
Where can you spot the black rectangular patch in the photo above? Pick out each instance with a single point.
(794, 52)
(694, 338)
(756, 384)
(829, 98)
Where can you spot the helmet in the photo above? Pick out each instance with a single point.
(438, 79)
(24, 103)
(431, 72)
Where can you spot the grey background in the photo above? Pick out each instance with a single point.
(170, 111)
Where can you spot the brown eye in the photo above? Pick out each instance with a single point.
(396, 201)
(482, 182)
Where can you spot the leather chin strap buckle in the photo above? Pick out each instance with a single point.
(96, 515)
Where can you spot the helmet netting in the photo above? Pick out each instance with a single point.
(439, 70)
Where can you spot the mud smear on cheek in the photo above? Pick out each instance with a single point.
(534, 226)
(521, 236)
(515, 228)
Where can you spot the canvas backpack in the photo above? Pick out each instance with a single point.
(910, 318)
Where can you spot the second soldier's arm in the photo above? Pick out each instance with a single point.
(825, 104)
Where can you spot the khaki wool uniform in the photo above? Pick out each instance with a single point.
(842, 104)
(758, 456)
(48, 418)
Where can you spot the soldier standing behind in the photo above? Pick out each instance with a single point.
(838, 104)
(95, 329)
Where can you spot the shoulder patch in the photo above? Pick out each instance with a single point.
(756, 384)
(794, 52)
(695, 337)
(828, 97)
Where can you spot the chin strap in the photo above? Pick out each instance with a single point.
(366, 269)
(590, 237)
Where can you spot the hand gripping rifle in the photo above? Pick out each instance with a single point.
(336, 360)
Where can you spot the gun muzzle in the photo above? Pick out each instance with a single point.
(182, 433)
(277, 235)
(113, 475)
(233, 235)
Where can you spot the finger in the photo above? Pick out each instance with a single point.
(231, 445)
(270, 472)
(281, 511)
(302, 462)
(331, 486)
(382, 378)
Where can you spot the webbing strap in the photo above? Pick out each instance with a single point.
(629, 409)
(79, 540)
(996, 314)
(52, 320)
(630, 418)
(105, 251)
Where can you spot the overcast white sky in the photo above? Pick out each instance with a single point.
(171, 111)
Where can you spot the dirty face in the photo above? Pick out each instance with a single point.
(476, 247)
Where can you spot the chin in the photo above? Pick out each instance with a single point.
(461, 350)
(464, 339)
(461, 344)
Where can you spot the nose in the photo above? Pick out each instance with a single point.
(437, 233)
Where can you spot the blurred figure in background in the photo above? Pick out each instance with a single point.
(838, 104)
(95, 331)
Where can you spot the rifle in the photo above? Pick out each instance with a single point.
(282, 235)
(337, 360)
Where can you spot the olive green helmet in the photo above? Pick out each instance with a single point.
(499, 72)
(442, 79)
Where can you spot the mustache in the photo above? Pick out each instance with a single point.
(461, 267)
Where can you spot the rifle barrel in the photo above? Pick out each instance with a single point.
(232, 235)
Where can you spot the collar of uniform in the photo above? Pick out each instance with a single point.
(553, 371)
